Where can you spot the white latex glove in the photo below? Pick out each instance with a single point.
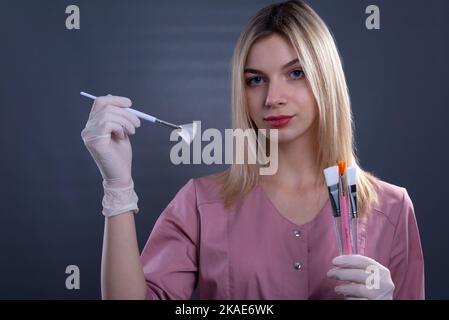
(369, 279)
(106, 138)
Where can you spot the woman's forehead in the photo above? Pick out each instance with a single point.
(270, 52)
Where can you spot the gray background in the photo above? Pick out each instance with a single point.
(172, 58)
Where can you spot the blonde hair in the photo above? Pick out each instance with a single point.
(322, 66)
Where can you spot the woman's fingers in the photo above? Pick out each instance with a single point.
(353, 275)
(117, 129)
(123, 121)
(101, 102)
(124, 113)
(362, 291)
(355, 262)
(111, 109)
(113, 100)
(369, 279)
(354, 290)
(103, 131)
(104, 118)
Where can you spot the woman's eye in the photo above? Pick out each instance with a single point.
(254, 81)
(297, 74)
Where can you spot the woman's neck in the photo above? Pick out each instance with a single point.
(297, 165)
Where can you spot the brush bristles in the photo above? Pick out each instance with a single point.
(341, 167)
(195, 128)
(188, 132)
(331, 175)
(351, 173)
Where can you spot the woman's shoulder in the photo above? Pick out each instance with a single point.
(206, 188)
(392, 200)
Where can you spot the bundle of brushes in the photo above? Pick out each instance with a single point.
(341, 183)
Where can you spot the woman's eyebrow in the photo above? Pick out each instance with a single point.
(289, 64)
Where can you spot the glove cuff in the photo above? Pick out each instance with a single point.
(119, 200)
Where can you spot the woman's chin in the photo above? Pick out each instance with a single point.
(288, 136)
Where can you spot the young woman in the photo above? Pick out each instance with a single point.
(242, 235)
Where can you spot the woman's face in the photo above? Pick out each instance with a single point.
(278, 95)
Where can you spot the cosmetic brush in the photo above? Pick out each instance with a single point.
(351, 173)
(186, 131)
(344, 206)
(331, 176)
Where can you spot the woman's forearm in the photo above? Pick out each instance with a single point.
(122, 274)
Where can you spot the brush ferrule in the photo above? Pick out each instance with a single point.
(168, 124)
(342, 184)
(333, 195)
(353, 200)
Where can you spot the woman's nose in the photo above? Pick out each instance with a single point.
(275, 95)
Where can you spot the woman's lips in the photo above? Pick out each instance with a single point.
(278, 121)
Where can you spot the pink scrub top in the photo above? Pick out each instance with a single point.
(252, 252)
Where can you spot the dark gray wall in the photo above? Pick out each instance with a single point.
(172, 58)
